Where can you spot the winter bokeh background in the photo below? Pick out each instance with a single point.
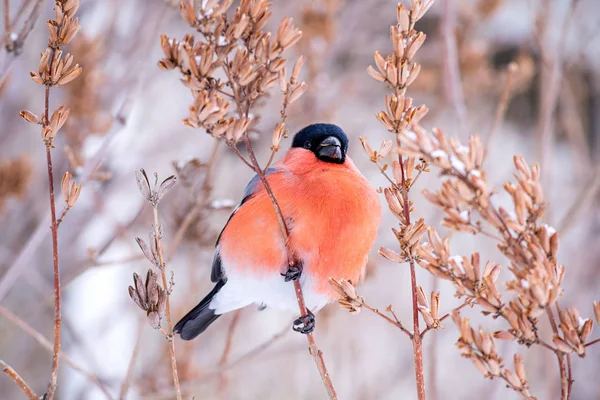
(127, 115)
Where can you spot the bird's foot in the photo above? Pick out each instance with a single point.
(305, 324)
(293, 272)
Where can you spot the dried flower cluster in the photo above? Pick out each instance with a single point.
(15, 176)
(467, 201)
(398, 70)
(251, 60)
(479, 346)
(530, 245)
(54, 69)
(238, 48)
(150, 297)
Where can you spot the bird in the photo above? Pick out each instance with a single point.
(333, 215)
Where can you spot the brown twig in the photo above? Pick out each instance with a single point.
(593, 342)
(54, 228)
(163, 275)
(396, 323)
(416, 338)
(564, 383)
(17, 378)
(45, 343)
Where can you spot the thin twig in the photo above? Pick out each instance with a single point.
(593, 342)
(416, 338)
(396, 323)
(240, 156)
(163, 275)
(54, 228)
(569, 376)
(18, 380)
(564, 383)
(45, 343)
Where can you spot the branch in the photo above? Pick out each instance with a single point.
(163, 275)
(564, 383)
(54, 228)
(15, 377)
(593, 342)
(396, 323)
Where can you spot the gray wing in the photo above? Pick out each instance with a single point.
(217, 273)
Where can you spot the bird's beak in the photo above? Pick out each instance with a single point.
(330, 148)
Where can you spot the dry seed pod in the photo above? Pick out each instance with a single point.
(30, 117)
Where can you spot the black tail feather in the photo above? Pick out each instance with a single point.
(199, 318)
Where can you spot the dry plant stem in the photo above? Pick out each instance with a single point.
(54, 228)
(313, 349)
(593, 342)
(570, 376)
(169, 334)
(564, 382)
(395, 322)
(18, 380)
(417, 339)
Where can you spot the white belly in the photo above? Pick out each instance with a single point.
(244, 289)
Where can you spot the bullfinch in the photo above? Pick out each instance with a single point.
(332, 213)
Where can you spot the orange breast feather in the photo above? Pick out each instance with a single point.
(333, 214)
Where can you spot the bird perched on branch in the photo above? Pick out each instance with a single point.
(332, 213)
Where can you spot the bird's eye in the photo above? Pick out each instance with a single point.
(307, 144)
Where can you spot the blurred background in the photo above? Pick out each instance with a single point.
(126, 114)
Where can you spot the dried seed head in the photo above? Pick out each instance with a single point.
(519, 367)
(30, 117)
(149, 296)
(390, 255)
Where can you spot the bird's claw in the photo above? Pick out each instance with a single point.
(305, 324)
(293, 272)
